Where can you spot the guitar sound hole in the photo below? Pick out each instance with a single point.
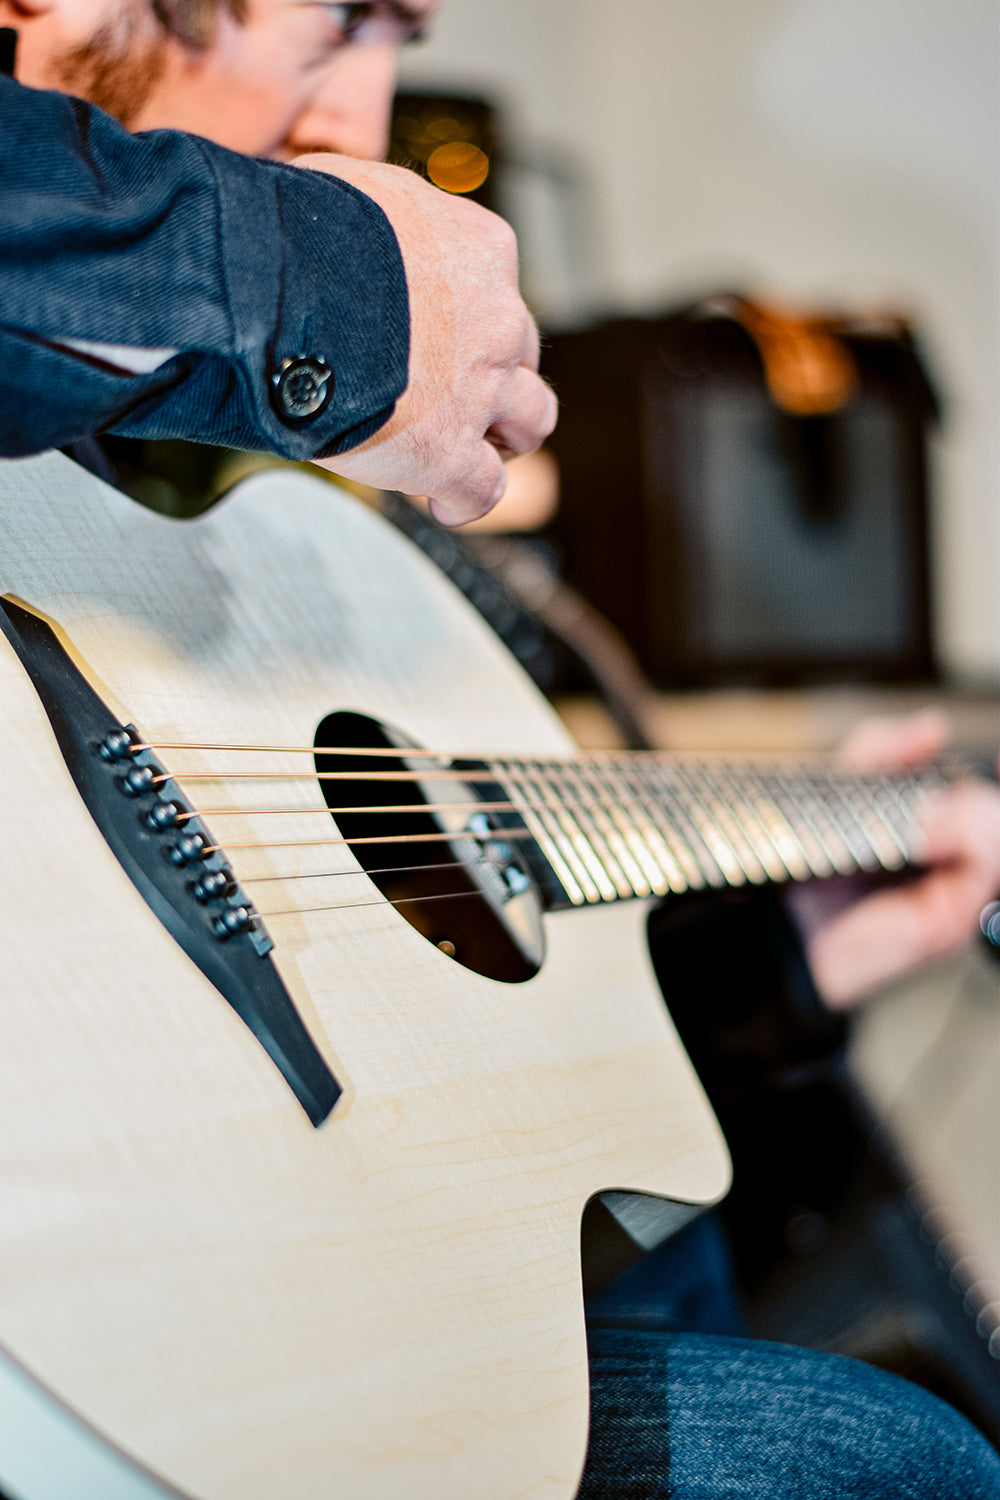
(451, 869)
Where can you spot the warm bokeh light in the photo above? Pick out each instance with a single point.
(458, 167)
(446, 129)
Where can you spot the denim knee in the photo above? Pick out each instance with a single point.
(698, 1417)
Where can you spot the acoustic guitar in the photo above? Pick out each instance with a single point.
(326, 1006)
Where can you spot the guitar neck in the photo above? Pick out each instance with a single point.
(614, 826)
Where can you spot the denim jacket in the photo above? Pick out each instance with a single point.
(166, 241)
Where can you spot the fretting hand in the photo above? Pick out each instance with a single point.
(858, 940)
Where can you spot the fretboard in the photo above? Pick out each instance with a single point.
(614, 826)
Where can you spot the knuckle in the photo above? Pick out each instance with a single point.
(505, 238)
(499, 240)
(509, 322)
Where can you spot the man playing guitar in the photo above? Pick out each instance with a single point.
(199, 313)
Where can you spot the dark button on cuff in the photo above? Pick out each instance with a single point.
(301, 388)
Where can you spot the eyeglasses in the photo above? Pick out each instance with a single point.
(391, 21)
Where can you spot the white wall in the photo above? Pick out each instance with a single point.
(832, 151)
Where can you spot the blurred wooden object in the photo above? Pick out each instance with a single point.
(778, 719)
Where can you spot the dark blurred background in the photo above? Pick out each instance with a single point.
(835, 160)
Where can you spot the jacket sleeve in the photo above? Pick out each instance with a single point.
(166, 241)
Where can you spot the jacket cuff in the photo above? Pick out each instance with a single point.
(319, 307)
(319, 313)
(282, 289)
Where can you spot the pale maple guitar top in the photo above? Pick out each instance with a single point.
(202, 1291)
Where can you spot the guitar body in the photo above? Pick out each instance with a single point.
(200, 1292)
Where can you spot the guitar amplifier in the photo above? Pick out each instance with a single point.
(745, 495)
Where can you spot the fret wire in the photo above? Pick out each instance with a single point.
(608, 878)
(900, 830)
(576, 832)
(535, 822)
(752, 826)
(787, 825)
(725, 820)
(915, 787)
(712, 835)
(559, 849)
(805, 792)
(890, 851)
(673, 825)
(618, 860)
(787, 820)
(898, 813)
(816, 804)
(676, 828)
(781, 851)
(829, 793)
(885, 853)
(625, 817)
(904, 794)
(848, 824)
(643, 838)
(656, 865)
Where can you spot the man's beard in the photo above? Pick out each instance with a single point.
(121, 64)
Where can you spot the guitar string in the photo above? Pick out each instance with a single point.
(404, 809)
(334, 812)
(945, 769)
(838, 779)
(503, 835)
(444, 867)
(445, 774)
(614, 760)
(848, 783)
(884, 781)
(407, 752)
(495, 835)
(298, 911)
(418, 900)
(373, 750)
(868, 785)
(358, 870)
(736, 877)
(562, 804)
(295, 911)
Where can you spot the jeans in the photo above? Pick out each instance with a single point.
(697, 1415)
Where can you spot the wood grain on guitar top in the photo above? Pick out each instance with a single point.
(245, 1305)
